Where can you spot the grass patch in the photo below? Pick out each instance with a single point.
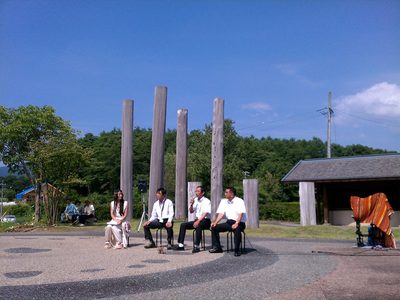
(329, 232)
(266, 230)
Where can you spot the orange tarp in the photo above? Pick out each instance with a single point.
(375, 209)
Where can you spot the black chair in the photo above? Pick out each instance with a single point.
(203, 239)
(229, 239)
(159, 237)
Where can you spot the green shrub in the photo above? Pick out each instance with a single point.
(280, 211)
(97, 198)
(24, 212)
(102, 212)
(21, 210)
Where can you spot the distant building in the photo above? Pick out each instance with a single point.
(334, 180)
(28, 195)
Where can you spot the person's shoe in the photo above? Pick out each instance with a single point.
(176, 247)
(118, 246)
(237, 254)
(215, 250)
(169, 247)
(150, 244)
(107, 245)
(196, 249)
(81, 225)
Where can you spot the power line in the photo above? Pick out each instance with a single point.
(368, 120)
(281, 122)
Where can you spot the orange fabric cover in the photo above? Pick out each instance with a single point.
(374, 209)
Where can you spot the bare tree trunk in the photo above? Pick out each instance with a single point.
(36, 186)
(37, 202)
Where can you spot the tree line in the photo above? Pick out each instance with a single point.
(43, 147)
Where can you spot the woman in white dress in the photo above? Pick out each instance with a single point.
(116, 229)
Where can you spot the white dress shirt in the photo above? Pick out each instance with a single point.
(232, 209)
(201, 206)
(162, 210)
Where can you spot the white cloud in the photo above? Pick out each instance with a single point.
(295, 71)
(259, 106)
(287, 69)
(380, 102)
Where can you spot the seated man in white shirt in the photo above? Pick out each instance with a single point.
(201, 206)
(235, 211)
(161, 217)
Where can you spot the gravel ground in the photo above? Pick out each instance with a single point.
(71, 266)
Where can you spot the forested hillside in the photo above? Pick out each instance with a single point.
(267, 159)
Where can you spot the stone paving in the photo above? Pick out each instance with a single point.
(75, 265)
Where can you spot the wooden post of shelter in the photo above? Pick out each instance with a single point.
(157, 144)
(325, 204)
(181, 203)
(307, 203)
(250, 195)
(126, 179)
(192, 185)
(217, 154)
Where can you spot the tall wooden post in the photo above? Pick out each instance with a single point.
(217, 154)
(325, 203)
(250, 195)
(126, 179)
(192, 185)
(181, 204)
(307, 203)
(157, 144)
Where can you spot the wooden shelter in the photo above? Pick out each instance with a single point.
(29, 194)
(337, 179)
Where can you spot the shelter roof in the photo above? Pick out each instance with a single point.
(20, 195)
(353, 168)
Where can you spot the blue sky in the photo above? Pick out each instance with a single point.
(273, 62)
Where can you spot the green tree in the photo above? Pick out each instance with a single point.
(102, 171)
(37, 143)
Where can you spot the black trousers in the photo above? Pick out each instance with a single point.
(223, 227)
(157, 224)
(204, 224)
(83, 218)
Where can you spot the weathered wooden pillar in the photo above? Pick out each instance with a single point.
(250, 197)
(157, 144)
(192, 185)
(217, 154)
(181, 203)
(126, 180)
(307, 203)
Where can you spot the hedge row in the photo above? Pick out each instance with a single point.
(280, 211)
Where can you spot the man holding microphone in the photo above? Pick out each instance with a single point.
(201, 206)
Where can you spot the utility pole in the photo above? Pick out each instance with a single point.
(330, 113)
(1, 207)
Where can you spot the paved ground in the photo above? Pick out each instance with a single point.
(75, 265)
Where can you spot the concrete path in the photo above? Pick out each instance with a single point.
(75, 265)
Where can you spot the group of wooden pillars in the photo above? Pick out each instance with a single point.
(183, 190)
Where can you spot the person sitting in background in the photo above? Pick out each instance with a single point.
(87, 213)
(71, 212)
(115, 231)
